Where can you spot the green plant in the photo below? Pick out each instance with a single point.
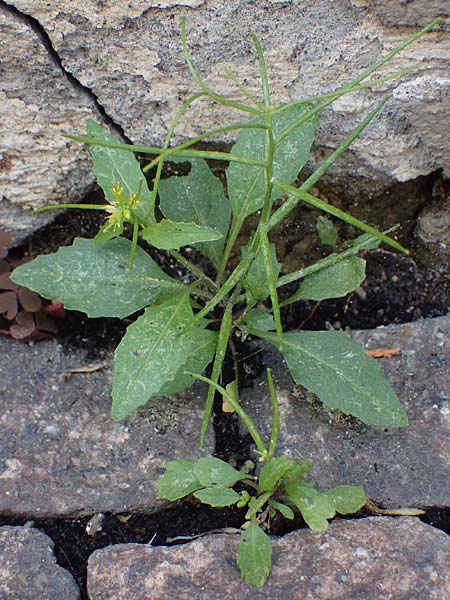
(188, 325)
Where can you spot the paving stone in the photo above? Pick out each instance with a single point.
(397, 467)
(28, 569)
(370, 559)
(61, 454)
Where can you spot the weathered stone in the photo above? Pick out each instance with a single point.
(369, 558)
(28, 569)
(433, 234)
(61, 454)
(397, 467)
(129, 56)
(37, 165)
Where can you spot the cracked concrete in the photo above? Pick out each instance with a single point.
(128, 57)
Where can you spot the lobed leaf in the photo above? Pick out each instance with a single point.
(171, 235)
(218, 496)
(316, 508)
(246, 183)
(95, 279)
(154, 353)
(339, 372)
(254, 555)
(211, 471)
(112, 166)
(272, 472)
(178, 480)
(334, 281)
(199, 198)
(347, 499)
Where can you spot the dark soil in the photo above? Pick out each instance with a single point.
(397, 290)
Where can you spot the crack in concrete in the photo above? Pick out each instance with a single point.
(45, 40)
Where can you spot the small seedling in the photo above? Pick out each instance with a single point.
(189, 325)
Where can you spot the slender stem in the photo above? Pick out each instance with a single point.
(275, 415)
(134, 242)
(222, 344)
(262, 70)
(281, 213)
(246, 419)
(242, 88)
(195, 270)
(203, 86)
(226, 156)
(59, 206)
(340, 214)
(271, 280)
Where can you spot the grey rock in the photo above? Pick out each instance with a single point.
(129, 56)
(28, 568)
(37, 165)
(433, 234)
(373, 558)
(61, 454)
(397, 467)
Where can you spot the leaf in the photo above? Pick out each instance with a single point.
(199, 198)
(347, 499)
(259, 319)
(254, 555)
(218, 496)
(383, 352)
(331, 282)
(94, 279)
(154, 353)
(297, 471)
(246, 184)
(316, 508)
(326, 231)
(170, 235)
(212, 471)
(338, 371)
(284, 509)
(255, 281)
(272, 472)
(178, 480)
(120, 167)
(232, 389)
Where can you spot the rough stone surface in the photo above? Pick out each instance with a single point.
(397, 467)
(28, 569)
(129, 56)
(433, 234)
(61, 454)
(37, 165)
(373, 558)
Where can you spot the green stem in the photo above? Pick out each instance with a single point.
(271, 280)
(242, 88)
(222, 345)
(194, 270)
(61, 206)
(340, 214)
(275, 416)
(246, 419)
(226, 156)
(262, 71)
(216, 97)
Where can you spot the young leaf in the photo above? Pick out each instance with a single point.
(94, 279)
(272, 472)
(212, 471)
(255, 281)
(178, 480)
(199, 198)
(254, 555)
(316, 508)
(347, 499)
(284, 509)
(246, 184)
(259, 319)
(218, 496)
(331, 282)
(326, 231)
(330, 365)
(171, 235)
(119, 167)
(154, 353)
(297, 471)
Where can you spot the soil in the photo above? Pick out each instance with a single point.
(397, 290)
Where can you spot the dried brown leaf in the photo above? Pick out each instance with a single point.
(383, 352)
